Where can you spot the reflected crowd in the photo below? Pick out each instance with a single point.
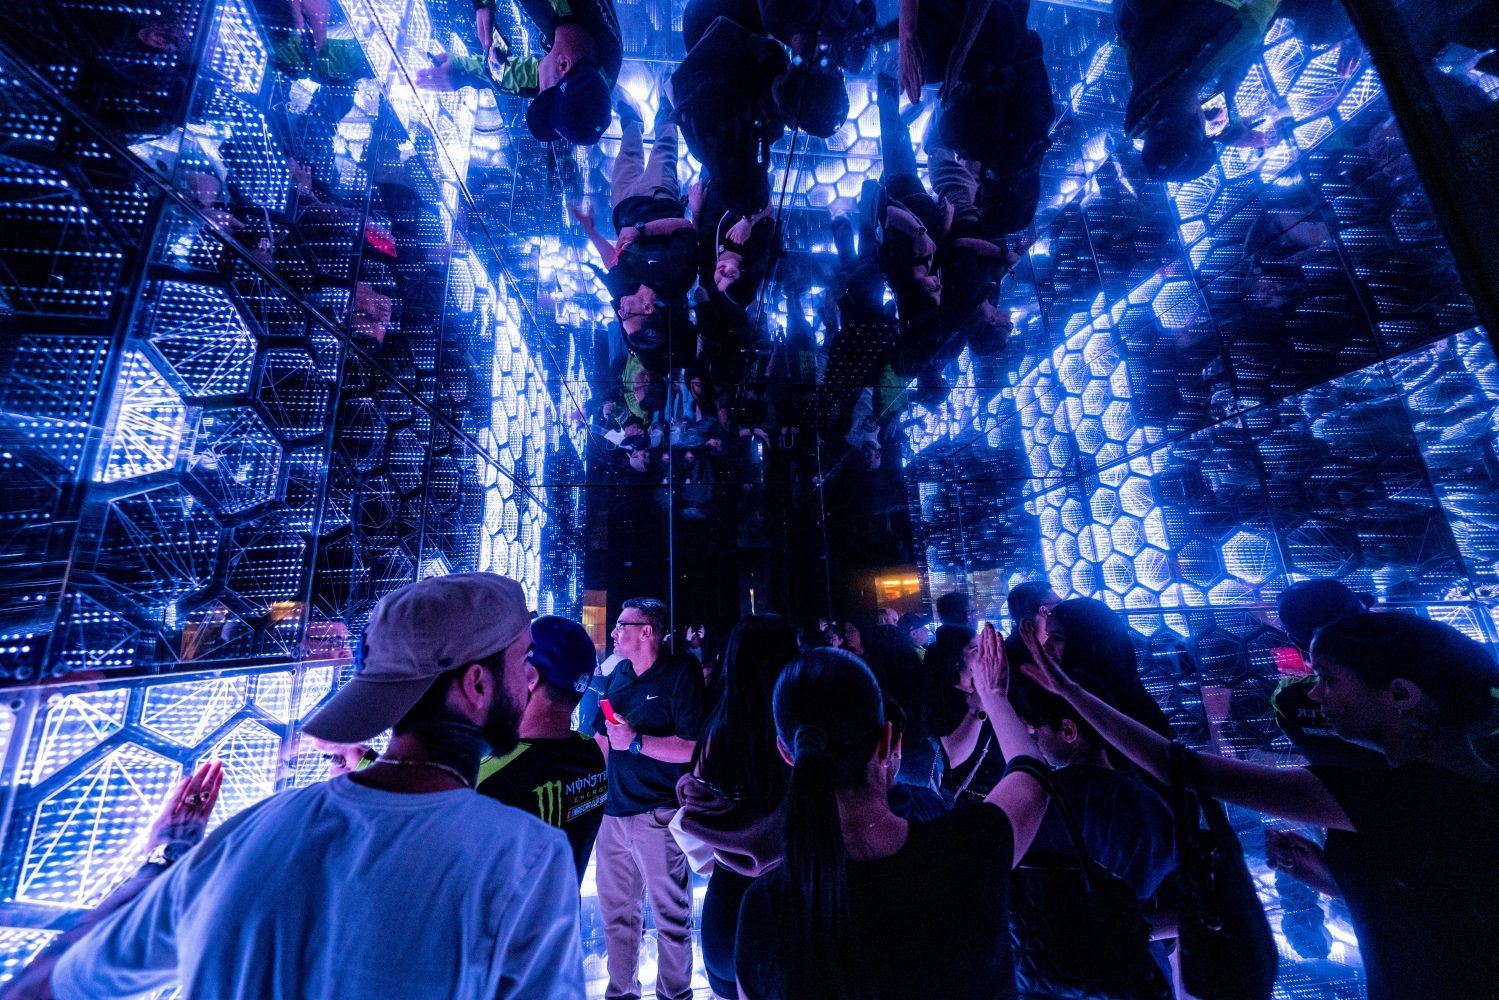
(847, 798)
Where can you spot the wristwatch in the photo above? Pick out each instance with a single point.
(165, 855)
(635, 746)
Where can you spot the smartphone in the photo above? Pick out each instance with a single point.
(608, 710)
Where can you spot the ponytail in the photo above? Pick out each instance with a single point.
(816, 869)
(828, 713)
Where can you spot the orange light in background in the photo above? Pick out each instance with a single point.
(595, 617)
(893, 588)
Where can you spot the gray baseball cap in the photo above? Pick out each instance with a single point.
(418, 632)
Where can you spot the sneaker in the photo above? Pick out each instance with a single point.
(664, 110)
(628, 112)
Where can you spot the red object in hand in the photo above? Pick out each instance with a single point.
(608, 710)
(1288, 662)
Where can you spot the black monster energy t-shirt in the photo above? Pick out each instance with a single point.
(560, 780)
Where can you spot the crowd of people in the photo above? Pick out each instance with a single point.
(878, 816)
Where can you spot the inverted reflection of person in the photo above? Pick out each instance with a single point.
(178, 827)
(1410, 846)
(569, 86)
(652, 263)
(445, 668)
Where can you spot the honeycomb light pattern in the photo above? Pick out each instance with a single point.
(149, 422)
(188, 713)
(97, 780)
(75, 725)
(88, 832)
(520, 427)
(1129, 509)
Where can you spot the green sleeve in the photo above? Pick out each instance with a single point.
(518, 75)
(521, 75)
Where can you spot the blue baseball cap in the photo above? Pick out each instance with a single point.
(576, 110)
(562, 653)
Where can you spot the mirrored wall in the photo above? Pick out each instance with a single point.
(285, 323)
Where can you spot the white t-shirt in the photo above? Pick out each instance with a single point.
(342, 891)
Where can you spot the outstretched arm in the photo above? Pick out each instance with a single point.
(1294, 794)
(584, 217)
(910, 51)
(1021, 796)
(178, 827)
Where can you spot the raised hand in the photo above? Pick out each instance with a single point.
(1042, 669)
(184, 819)
(991, 672)
(910, 67)
(438, 76)
(582, 213)
(1301, 858)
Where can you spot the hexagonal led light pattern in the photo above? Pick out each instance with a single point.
(273, 692)
(187, 713)
(147, 425)
(238, 52)
(75, 724)
(250, 753)
(202, 338)
(1301, 79)
(235, 459)
(159, 545)
(87, 833)
(521, 414)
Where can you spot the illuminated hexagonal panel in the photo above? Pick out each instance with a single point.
(235, 460)
(250, 753)
(75, 724)
(147, 426)
(187, 713)
(202, 337)
(87, 833)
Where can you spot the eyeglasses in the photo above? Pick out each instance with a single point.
(620, 625)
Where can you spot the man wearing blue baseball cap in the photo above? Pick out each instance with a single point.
(570, 86)
(554, 773)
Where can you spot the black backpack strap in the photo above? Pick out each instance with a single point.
(1048, 781)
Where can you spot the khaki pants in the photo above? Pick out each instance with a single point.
(634, 175)
(638, 855)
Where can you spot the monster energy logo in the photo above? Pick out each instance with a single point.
(549, 802)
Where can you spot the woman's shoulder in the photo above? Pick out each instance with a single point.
(981, 827)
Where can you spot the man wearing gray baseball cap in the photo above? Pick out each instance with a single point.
(397, 881)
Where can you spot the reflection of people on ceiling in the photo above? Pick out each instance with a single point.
(569, 87)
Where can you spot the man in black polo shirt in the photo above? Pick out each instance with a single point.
(653, 264)
(553, 772)
(649, 729)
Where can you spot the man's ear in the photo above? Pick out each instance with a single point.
(472, 686)
(1069, 731)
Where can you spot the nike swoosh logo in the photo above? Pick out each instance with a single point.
(651, 697)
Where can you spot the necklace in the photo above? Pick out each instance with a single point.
(413, 762)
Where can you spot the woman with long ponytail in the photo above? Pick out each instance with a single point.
(868, 904)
